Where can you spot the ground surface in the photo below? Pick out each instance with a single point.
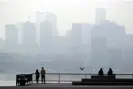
(64, 86)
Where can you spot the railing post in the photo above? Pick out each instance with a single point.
(17, 78)
(58, 78)
(32, 78)
(85, 75)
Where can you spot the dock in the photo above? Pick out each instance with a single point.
(64, 82)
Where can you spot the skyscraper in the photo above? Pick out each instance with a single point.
(76, 37)
(11, 38)
(39, 18)
(98, 51)
(46, 16)
(100, 15)
(53, 19)
(29, 37)
(86, 38)
(77, 33)
(86, 33)
(45, 37)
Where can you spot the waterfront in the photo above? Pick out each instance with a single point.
(10, 79)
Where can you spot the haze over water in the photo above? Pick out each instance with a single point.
(56, 33)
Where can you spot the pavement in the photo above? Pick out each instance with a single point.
(64, 86)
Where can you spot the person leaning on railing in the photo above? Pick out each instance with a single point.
(110, 73)
(43, 72)
(101, 72)
(37, 76)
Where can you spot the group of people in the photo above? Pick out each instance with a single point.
(110, 72)
(42, 73)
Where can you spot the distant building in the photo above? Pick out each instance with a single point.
(40, 17)
(76, 38)
(86, 37)
(11, 38)
(62, 46)
(128, 47)
(46, 37)
(51, 17)
(29, 43)
(77, 33)
(100, 15)
(79, 38)
(47, 16)
(2, 42)
(98, 51)
(113, 33)
(86, 33)
(111, 44)
(43, 17)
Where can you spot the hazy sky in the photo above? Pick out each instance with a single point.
(67, 11)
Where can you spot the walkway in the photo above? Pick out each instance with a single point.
(64, 86)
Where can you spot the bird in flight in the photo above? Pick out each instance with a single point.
(81, 68)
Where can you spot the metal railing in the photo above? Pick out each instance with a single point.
(69, 77)
(62, 77)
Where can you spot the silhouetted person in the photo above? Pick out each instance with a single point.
(37, 75)
(100, 71)
(43, 75)
(110, 72)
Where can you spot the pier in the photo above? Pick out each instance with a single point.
(76, 80)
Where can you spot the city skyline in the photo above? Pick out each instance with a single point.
(73, 11)
(65, 36)
(101, 44)
(81, 34)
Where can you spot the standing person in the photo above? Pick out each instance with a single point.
(43, 75)
(37, 76)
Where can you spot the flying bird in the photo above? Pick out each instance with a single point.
(81, 68)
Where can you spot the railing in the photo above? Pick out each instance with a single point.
(69, 77)
(65, 77)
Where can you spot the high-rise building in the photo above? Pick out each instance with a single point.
(2, 45)
(29, 37)
(53, 19)
(46, 16)
(77, 33)
(113, 32)
(98, 51)
(86, 33)
(100, 15)
(45, 37)
(107, 42)
(40, 17)
(86, 39)
(11, 38)
(76, 37)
